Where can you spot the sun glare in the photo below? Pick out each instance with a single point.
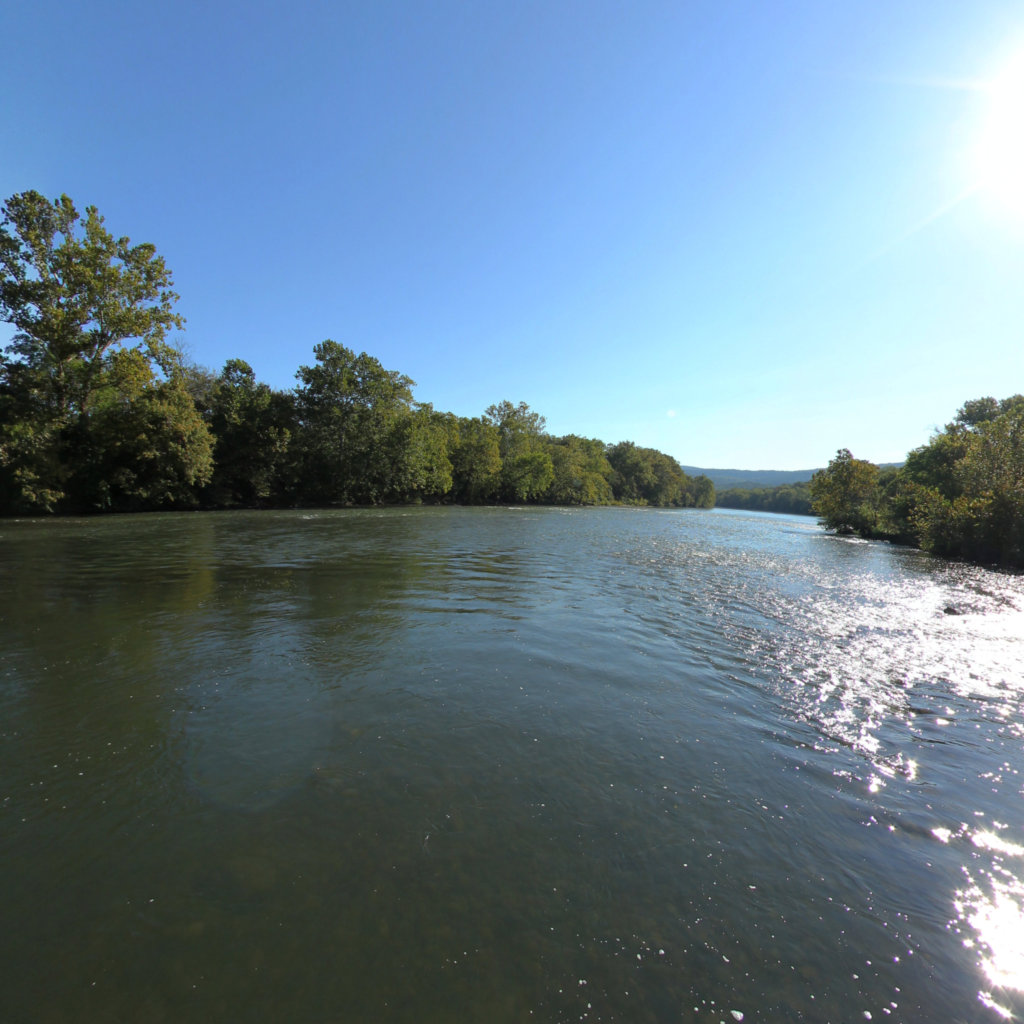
(1001, 153)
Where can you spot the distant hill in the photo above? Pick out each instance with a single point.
(723, 479)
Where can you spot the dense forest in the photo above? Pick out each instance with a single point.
(961, 495)
(99, 411)
(793, 498)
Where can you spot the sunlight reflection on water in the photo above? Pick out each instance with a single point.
(992, 904)
(913, 665)
(617, 765)
(990, 908)
(896, 662)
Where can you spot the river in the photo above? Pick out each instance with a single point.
(446, 764)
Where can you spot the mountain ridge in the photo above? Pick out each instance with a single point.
(724, 479)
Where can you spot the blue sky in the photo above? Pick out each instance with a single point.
(745, 233)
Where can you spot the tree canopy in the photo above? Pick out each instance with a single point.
(100, 411)
(960, 495)
(91, 392)
(792, 499)
(843, 495)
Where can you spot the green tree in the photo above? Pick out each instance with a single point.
(989, 514)
(646, 476)
(76, 297)
(983, 410)
(844, 496)
(423, 468)
(143, 445)
(701, 492)
(73, 292)
(582, 472)
(977, 410)
(933, 465)
(526, 469)
(352, 427)
(956, 495)
(792, 499)
(476, 460)
(633, 475)
(252, 427)
(32, 471)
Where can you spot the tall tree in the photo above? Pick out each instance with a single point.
(633, 478)
(526, 469)
(352, 433)
(987, 519)
(142, 446)
(647, 476)
(476, 459)
(700, 491)
(76, 296)
(73, 292)
(581, 472)
(844, 496)
(423, 466)
(252, 427)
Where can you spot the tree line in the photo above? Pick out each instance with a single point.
(100, 412)
(792, 499)
(961, 495)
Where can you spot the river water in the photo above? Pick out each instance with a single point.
(444, 764)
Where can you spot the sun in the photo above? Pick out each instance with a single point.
(1000, 154)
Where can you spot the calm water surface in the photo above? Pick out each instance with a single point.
(505, 765)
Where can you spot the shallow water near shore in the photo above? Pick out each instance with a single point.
(441, 764)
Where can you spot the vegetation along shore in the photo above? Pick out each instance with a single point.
(99, 411)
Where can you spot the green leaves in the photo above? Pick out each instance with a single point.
(645, 476)
(91, 314)
(73, 291)
(99, 411)
(475, 454)
(581, 472)
(961, 495)
(141, 449)
(353, 424)
(253, 427)
(844, 496)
